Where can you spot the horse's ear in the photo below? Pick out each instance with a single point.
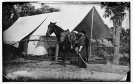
(55, 22)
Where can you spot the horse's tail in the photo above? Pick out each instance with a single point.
(87, 46)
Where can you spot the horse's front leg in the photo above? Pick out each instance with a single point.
(71, 46)
(63, 56)
(77, 52)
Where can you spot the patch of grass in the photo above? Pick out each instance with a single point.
(124, 61)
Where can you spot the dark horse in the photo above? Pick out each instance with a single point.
(62, 38)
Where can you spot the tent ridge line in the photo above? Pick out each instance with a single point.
(81, 20)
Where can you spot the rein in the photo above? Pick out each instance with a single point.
(48, 40)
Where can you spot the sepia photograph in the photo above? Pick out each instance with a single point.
(66, 41)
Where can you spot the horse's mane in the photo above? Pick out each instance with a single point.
(58, 31)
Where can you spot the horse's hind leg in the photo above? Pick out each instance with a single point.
(87, 54)
(63, 58)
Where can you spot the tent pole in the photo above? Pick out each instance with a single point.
(91, 31)
(26, 46)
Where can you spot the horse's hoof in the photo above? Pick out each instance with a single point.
(64, 65)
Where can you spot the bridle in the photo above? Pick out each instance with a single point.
(53, 26)
(48, 39)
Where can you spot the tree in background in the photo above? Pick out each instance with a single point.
(9, 15)
(116, 12)
(11, 11)
(125, 41)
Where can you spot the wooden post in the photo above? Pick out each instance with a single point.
(56, 52)
(26, 46)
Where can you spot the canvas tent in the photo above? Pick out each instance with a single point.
(93, 24)
(71, 19)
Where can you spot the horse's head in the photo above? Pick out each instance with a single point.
(51, 28)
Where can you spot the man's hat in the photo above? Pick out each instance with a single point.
(82, 31)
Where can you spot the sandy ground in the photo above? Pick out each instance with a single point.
(25, 70)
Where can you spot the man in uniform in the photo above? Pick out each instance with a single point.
(82, 43)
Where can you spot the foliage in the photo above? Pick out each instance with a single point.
(11, 11)
(103, 47)
(27, 10)
(9, 15)
(124, 61)
(124, 46)
(125, 41)
(115, 10)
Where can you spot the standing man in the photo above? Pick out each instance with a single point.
(83, 44)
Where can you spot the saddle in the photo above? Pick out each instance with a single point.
(63, 36)
(73, 38)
